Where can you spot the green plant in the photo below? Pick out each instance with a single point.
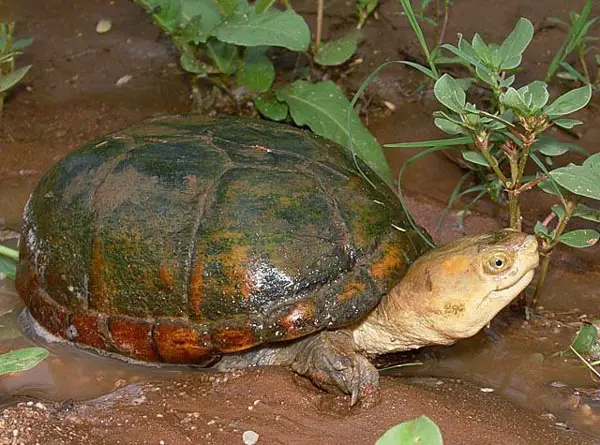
(228, 42)
(21, 359)
(10, 49)
(499, 137)
(577, 41)
(8, 262)
(364, 9)
(421, 431)
(440, 31)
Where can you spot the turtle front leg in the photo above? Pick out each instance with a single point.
(330, 361)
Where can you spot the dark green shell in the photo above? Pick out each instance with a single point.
(185, 237)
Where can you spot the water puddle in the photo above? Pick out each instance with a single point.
(68, 373)
(517, 360)
(513, 358)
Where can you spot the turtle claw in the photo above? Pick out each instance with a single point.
(330, 361)
(354, 396)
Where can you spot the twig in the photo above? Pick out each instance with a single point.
(585, 361)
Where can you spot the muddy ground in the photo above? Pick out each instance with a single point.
(71, 96)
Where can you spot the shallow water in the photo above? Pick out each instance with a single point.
(511, 358)
(68, 373)
(519, 361)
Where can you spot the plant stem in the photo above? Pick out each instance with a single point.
(584, 67)
(542, 278)
(514, 210)
(320, 6)
(437, 20)
(547, 250)
(494, 165)
(1, 104)
(444, 23)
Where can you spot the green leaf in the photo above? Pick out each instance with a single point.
(513, 100)
(586, 339)
(271, 108)
(191, 64)
(9, 80)
(263, 5)
(580, 238)
(449, 93)
(21, 44)
(549, 187)
(365, 8)
(167, 13)
(337, 51)
(448, 127)
(567, 123)
(324, 108)
(481, 49)
(420, 68)
(223, 54)
(8, 268)
(227, 7)
(199, 28)
(573, 38)
(572, 74)
(586, 212)
(421, 431)
(569, 102)
(515, 44)
(21, 359)
(13, 254)
(475, 157)
(542, 231)
(535, 94)
(271, 28)
(549, 146)
(256, 72)
(435, 143)
(558, 210)
(582, 180)
(414, 24)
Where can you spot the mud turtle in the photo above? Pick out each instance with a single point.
(187, 240)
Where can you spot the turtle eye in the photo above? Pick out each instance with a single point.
(497, 262)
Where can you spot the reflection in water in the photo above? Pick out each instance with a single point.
(524, 370)
(68, 373)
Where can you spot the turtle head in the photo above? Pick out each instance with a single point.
(453, 291)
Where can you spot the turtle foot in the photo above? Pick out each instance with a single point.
(330, 361)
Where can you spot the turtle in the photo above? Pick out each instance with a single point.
(233, 242)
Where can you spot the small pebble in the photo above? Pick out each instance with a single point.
(103, 26)
(486, 389)
(161, 442)
(122, 81)
(250, 437)
(390, 106)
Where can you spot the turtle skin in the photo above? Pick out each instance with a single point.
(184, 238)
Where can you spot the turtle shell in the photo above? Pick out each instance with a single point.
(183, 238)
